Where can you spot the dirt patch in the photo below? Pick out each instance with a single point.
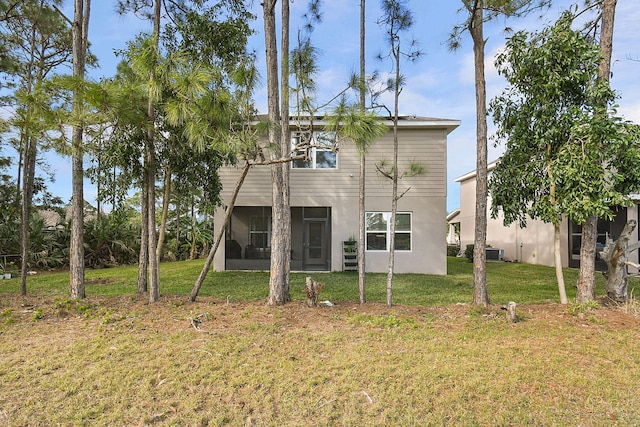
(102, 281)
(222, 315)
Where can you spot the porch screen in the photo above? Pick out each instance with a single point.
(260, 231)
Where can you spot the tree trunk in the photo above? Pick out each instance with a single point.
(362, 175)
(557, 259)
(223, 226)
(278, 285)
(194, 225)
(27, 194)
(154, 274)
(558, 263)
(615, 255)
(178, 234)
(606, 38)
(587, 275)
(143, 257)
(312, 291)
(480, 294)
(395, 47)
(165, 213)
(76, 248)
(285, 151)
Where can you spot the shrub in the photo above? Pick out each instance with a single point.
(452, 250)
(469, 253)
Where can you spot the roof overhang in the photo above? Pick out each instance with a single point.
(404, 122)
(491, 166)
(453, 215)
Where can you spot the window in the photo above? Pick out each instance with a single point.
(320, 152)
(260, 232)
(378, 230)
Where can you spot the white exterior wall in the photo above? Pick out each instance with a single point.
(338, 189)
(533, 244)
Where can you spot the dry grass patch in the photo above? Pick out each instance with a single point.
(119, 361)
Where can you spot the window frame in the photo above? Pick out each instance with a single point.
(387, 232)
(265, 220)
(313, 149)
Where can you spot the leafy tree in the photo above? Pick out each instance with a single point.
(552, 92)
(362, 128)
(175, 84)
(38, 41)
(586, 277)
(564, 156)
(396, 19)
(477, 13)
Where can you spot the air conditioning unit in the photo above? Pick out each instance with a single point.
(494, 254)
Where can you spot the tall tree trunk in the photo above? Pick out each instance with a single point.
(362, 174)
(27, 194)
(606, 38)
(586, 278)
(165, 213)
(143, 257)
(154, 274)
(21, 151)
(178, 229)
(285, 152)
(30, 151)
(480, 294)
(394, 180)
(220, 235)
(76, 250)
(194, 225)
(278, 286)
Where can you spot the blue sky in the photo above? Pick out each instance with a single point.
(441, 84)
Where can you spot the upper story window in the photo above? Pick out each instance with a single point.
(320, 151)
(378, 231)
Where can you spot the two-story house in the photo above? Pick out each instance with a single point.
(324, 204)
(534, 243)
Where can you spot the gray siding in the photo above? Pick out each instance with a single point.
(338, 189)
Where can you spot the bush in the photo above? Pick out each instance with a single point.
(452, 250)
(110, 241)
(469, 253)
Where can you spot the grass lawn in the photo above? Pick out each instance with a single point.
(114, 360)
(523, 283)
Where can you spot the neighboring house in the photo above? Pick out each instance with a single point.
(533, 244)
(453, 223)
(324, 205)
(53, 219)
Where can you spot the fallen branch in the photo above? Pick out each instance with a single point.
(195, 321)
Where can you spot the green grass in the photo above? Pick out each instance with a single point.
(114, 360)
(523, 283)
